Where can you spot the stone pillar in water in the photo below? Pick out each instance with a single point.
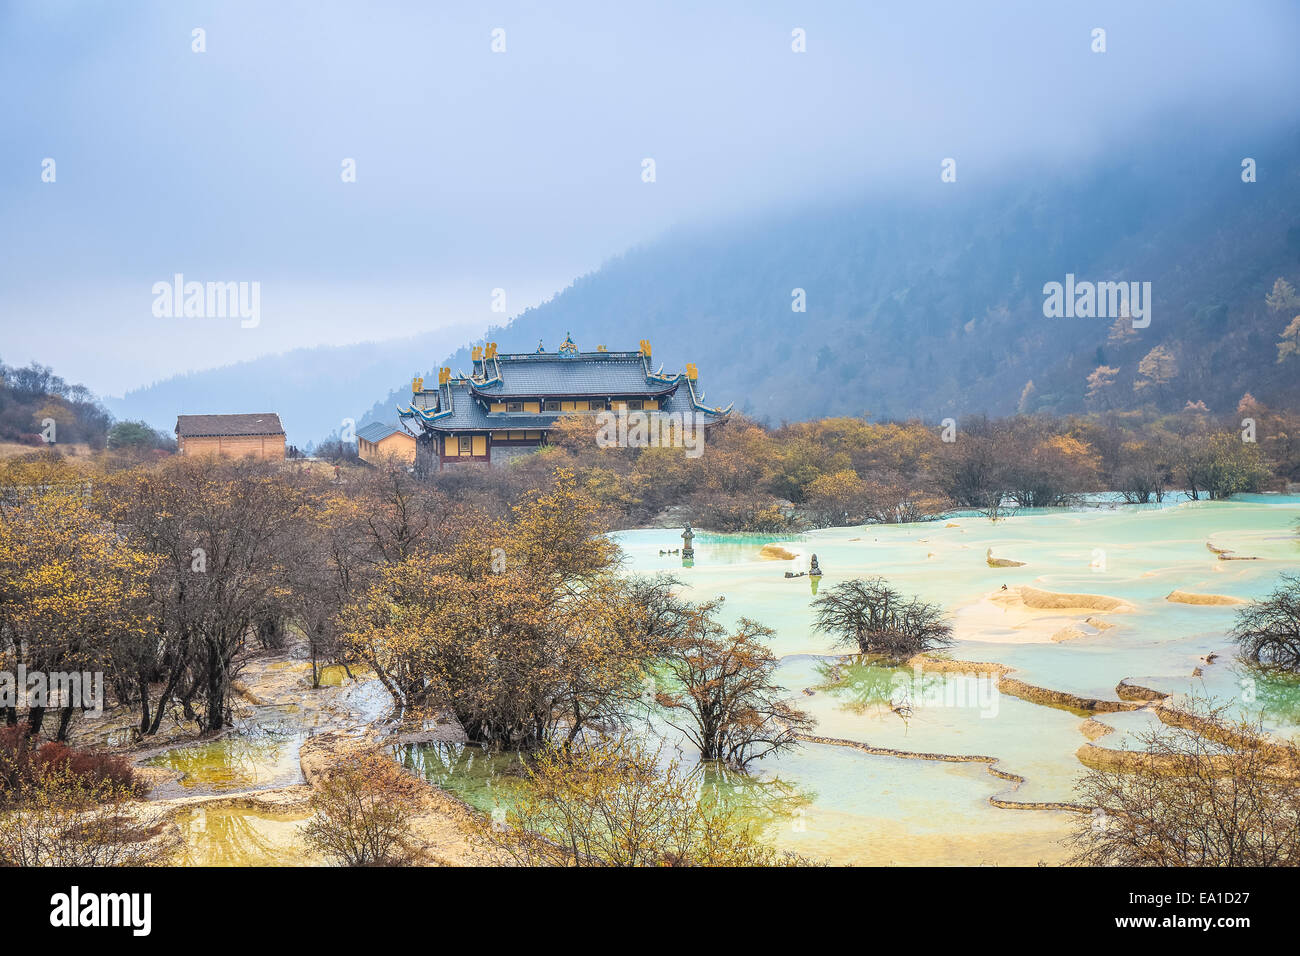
(688, 536)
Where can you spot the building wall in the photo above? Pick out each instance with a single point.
(578, 405)
(533, 435)
(451, 447)
(398, 445)
(502, 455)
(257, 446)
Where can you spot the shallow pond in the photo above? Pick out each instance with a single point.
(234, 836)
(866, 808)
(263, 748)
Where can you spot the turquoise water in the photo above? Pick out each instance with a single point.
(855, 807)
(1136, 554)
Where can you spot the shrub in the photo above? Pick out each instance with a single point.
(873, 617)
(1268, 632)
(22, 761)
(1211, 793)
(69, 809)
(362, 813)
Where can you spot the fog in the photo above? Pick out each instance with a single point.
(519, 170)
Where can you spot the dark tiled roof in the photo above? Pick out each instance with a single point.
(228, 426)
(377, 431)
(461, 403)
(580, 375)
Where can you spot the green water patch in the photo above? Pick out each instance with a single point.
(956, 713)
(868, 805)
(262, 752)
(643, 548)
(484, 779)
(246, 760)
(876, 811)
(495, 781)
(828, 803)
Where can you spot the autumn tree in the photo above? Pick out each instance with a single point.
(361, 812)
(878, 620)
(973, 471)
(837, 499)
(1099, 383)
(1282, 297)
(1219, 465)
(72, 594)
(523, 630)
(1145, 472)
(720, 692)
(1156, 370)
(222, 532)
(891, 498)
(1288, 346)
(1028, 396)
(1050, 470)
(1121, 330)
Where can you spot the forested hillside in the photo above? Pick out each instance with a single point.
(934, 307)
(38, 407)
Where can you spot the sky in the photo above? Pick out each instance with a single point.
(520, 169)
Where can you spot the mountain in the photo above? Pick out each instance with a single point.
(916, 305)
(934, 306)
(312, 389)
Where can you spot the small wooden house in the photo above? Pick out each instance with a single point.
(259, 435)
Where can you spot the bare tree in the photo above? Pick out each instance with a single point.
(1268, 632)
(1211, 793)
(721, 684)
(879, 620)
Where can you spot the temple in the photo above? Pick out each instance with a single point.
(510, 402)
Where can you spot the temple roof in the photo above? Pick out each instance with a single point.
(567, 374)
(462, 403)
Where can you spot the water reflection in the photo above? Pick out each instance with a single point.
(229, 836)
(488, 780)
